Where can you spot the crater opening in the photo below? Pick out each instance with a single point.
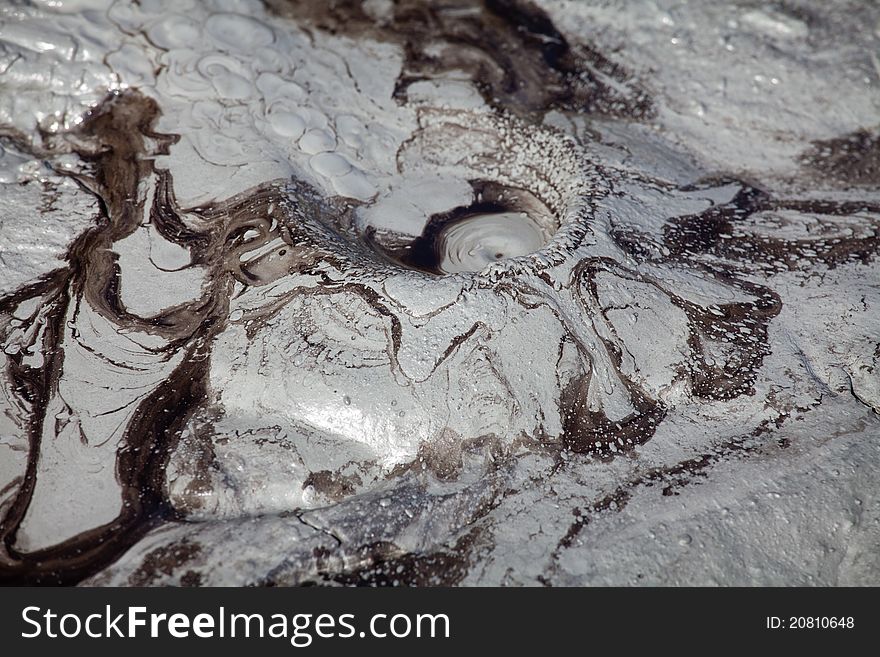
(473, 242)
(500, 224)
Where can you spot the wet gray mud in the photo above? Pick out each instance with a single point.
(330, 400)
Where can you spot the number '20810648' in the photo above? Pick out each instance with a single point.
(810, 622)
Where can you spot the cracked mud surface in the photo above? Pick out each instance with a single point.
(554, 293)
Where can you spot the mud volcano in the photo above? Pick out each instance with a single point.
(411, 293)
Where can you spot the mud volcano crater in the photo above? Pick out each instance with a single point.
(492, 292)
(501, 223)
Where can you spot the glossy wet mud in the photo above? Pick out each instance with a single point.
(355, 367)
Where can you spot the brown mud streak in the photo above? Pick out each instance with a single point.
(519, 61)
(118, 143)
(34, 385)
(850, 160)
(522, 65)
(114, 139)
(674, 476)
(713, 232)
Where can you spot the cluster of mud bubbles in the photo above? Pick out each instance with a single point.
(336, 402)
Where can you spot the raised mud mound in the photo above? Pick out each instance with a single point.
(438, 293)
